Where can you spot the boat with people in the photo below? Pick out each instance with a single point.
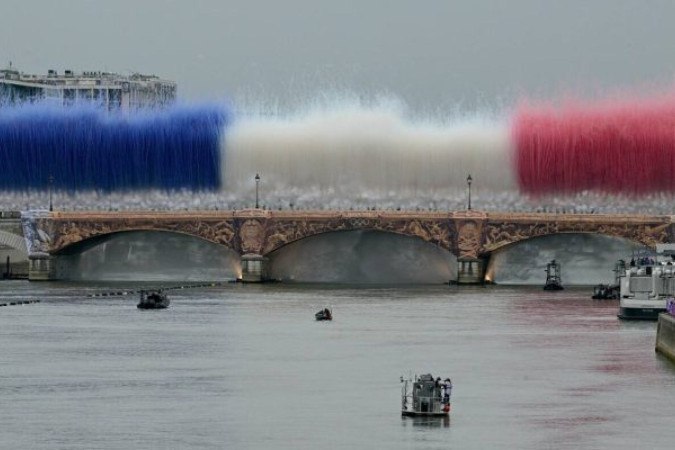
(553, 280)
(324, 314)
(605, 292)
(424, 396)
(611, 291)
(153, 300)
(647, 283)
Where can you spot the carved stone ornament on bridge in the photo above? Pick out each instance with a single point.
(280, 233)
(223, 233)
(360, 222)
(469, 239)
(467, 234)
(651, 235)
(37, 237)
(434, 231)
(500, 234)
(71, 232)
(252, 236)
(68, 232)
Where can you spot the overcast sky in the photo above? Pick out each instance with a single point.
(430, 54)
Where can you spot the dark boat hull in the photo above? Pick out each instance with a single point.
(605, 292)
(629, 313)
(324, 314)
(153, 306)
(154, 300)
(553, 287)
(424, 414)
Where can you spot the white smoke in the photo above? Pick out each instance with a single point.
(351, 150)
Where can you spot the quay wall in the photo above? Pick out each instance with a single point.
(665, 336)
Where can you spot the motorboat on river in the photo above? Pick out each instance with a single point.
(605, 292)
(611, 291)
(153, 300)
(647, 283)
(424, 396)
(553, 282)
(324, 314)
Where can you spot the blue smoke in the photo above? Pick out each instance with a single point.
(85, 147)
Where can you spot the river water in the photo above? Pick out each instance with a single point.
(248, 367)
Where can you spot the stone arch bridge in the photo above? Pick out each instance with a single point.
(254, 233)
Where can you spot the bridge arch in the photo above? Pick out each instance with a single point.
(585, 258)
(14, 241)
(96, 239)
(67, 233)
(147, 255)
(437, 232)
(505, 245)
(13, 254)
(274, 245)
(362, 255)
(647, 232)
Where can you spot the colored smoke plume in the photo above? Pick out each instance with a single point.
(84, 147)
(356, 150)
(618, 146)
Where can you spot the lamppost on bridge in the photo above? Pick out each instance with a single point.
(468, 183)
(51, 183)
(257, 185)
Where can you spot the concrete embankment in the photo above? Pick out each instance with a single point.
(665, 336)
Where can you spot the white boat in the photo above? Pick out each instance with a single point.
(425, 397)
(647, 284)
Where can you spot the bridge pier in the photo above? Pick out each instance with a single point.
(41, 268)
(470, 270)
(253, 268)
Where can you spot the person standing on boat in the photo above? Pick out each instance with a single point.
(447, 390)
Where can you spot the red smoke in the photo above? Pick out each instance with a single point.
(623, 146)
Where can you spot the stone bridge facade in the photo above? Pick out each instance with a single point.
(470, 235)
(13, 251)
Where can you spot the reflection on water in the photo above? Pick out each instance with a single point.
(432, 422)
(248, 366)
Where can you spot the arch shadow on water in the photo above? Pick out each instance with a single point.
(147, 256)
(362, 257)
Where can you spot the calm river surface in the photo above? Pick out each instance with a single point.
(247, 367)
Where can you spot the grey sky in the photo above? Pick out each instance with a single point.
(431, 54)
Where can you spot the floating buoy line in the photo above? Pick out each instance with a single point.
(134, 292)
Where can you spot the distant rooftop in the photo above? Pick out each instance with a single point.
(114, 90)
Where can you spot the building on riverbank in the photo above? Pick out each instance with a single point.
(112, 90)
